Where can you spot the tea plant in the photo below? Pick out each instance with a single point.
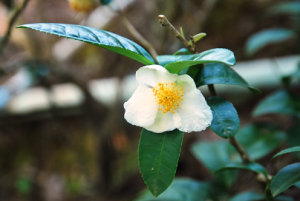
(168, 103)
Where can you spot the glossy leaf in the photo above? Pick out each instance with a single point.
(260, 139)
(225, 121)
(289, 150)
(192, 71)
(217, 73)
(266, 37)
(175, 64)
(285, 178)
(247, 196)
(254, 167)
(182, 51)
(187, 190)
(215, 155)
(104, 39)
(158, 156)
(292, 8)
(280, 102)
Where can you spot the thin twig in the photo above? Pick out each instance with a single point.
(165, 23)
(132, 30)
(244, 155)
(212, 90)
(12, 20)
(138, 36)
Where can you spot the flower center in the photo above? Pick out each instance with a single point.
(168, 96)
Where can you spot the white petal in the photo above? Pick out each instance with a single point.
(186, 82)
(193, 113)
(141, 108)
(163, 122)
(154, 74)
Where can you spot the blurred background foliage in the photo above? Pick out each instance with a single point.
(62, 131)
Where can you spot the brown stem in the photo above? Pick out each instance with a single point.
(132, 30)
(12, 20)
(212, 90)
(244, 155)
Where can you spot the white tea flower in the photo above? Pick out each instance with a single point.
(164, 101)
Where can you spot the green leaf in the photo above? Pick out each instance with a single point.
(197, 37)
(191, 71)
(104, 39)
(215, 155)
(294, 137)
(297, 184)
(247, 196)
(105, 2)
(175, 64)
(182, 51)
(260, 139)
(184, 189)
(266, 37)
(217, 73)
(254, 167)
(285, 178)
(292, 8)
(280, 102)
(289, 150)
(182, 32)
(158, 156)
(225, 121)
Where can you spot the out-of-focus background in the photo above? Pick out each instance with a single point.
(62, 131)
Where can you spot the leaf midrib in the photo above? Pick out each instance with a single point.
(139, 54)
(155, 184)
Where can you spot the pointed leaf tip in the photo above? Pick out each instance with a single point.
(101, 38)
(158, 156)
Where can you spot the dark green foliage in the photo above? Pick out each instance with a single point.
(158, 158)
(285, 178)
(225, 121)
(254, 167)
(218, 73)
(280, 102)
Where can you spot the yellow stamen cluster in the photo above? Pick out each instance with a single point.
(168, 96)
(82, 5)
